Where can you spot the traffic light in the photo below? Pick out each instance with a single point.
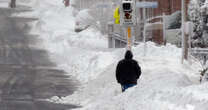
(127, 6)
(128, 16)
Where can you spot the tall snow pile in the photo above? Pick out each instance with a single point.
(165, 83)
(80, 54)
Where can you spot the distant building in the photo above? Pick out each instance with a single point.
(164, 6)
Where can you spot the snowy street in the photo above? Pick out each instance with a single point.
(27, 76)
(45, 64)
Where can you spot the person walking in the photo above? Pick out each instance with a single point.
(128, 71)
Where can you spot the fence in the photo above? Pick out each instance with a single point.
(200, 53)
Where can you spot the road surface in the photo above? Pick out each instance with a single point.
(27, 76)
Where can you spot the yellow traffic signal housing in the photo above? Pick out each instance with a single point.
(117, 15)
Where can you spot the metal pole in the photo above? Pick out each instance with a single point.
(144, 31)
(144, 40)
(133, 35)
(110, 35)
(80, 3)
(113, 42)
(182, 29)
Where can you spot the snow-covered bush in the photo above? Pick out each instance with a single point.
(195, 17)
(204, 11)
(204, 75)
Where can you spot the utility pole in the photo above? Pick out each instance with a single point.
(184, 36)
(144, 30)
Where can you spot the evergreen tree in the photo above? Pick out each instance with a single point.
(194, 12)
(201, 2)
(204, 14)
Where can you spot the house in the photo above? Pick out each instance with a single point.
(167, 7)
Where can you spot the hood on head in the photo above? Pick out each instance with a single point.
(128, 55)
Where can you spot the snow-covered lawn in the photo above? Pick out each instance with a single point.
(165, 83)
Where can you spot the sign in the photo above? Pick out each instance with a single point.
(188, 28)
(102, 5)
(146, 4)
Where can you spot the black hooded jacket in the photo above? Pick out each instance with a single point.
(128, 70)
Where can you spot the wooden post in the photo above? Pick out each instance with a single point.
(184, 36)
(186, 46)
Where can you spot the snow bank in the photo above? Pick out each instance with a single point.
(78, 53)
(164, 80)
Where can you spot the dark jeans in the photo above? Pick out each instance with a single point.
(126, 86)
(13, 4)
